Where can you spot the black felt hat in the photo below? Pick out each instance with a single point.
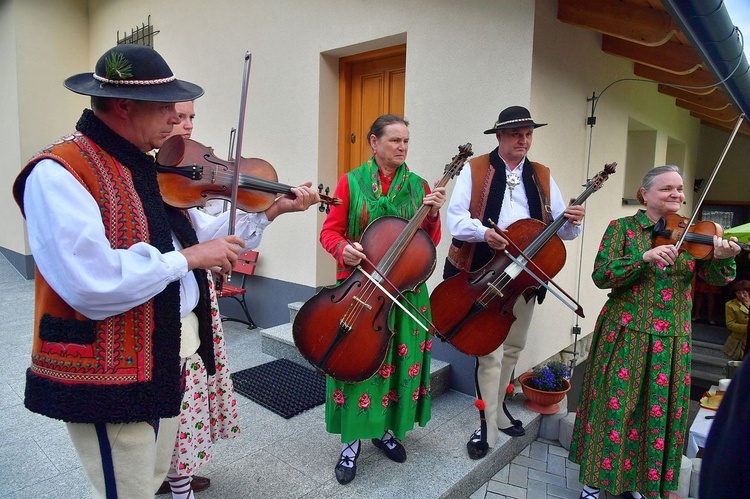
(513, 117)
(135, 72)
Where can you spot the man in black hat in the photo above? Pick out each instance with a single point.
(502, 186)
(122, 294)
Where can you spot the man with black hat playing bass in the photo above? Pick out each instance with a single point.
(502, 186)
(122, 291)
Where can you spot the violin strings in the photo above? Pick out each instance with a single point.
(257, 183)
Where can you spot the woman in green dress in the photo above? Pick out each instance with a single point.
(632, 417)
(385, 406)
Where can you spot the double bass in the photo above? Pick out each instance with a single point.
(343, 330)
(473, 311)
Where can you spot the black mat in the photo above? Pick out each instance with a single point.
(282, 386)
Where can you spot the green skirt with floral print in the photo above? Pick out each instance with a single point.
(398, 395)
(631, 421)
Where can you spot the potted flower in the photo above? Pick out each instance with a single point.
(545, 386)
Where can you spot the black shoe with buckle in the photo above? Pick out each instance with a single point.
(476, 448)
(345, 474)
(392, 448)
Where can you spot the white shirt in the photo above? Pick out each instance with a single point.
(465, 228)
(67, 239)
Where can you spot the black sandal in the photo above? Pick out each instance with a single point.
(594, 494)
(345, 474)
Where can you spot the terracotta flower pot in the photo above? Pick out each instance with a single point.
(541, 401)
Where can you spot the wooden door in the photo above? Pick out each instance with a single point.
(370, 84)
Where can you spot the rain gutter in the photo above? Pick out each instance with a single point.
(706, 23)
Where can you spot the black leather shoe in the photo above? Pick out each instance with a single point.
(200, 483)
(514, 431)
(476, 448)
(397, 453)
(164, 488)
(345, 474)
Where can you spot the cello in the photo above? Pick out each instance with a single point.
(343, 330)
(473, 311)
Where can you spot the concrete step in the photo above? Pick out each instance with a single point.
(706, 376)
(710, 364)
(278, 342)
(707, 348)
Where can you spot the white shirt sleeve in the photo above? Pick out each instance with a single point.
(459, 221)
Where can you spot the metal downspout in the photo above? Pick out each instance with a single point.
(706, 23)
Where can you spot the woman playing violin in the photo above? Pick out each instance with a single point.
(633, 408)
(386, 406)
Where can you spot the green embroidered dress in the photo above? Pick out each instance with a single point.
(399, 394)
(631, 421)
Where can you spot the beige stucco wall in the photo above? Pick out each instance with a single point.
(42, 44)
(730, 182)
(9, 140)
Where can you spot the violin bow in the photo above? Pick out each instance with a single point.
(578, 311)
(389, 295)
(711, 179)
(238, 148)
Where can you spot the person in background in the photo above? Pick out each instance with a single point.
(632, 416)
(504, 186)
(735, 313)
(186, 115)
(123, 289)
(382, 186)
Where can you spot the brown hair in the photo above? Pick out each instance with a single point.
(740, 285)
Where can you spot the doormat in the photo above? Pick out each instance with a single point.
(282, 386)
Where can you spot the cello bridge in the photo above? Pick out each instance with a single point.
(495, 289)
(367, 306)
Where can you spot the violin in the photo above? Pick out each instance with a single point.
(343, 330)
(190, 174)
(699, 239)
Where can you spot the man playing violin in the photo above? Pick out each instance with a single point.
(502, 187)
(122, 291)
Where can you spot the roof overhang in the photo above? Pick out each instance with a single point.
(689, 43)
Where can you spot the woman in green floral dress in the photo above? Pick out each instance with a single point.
(386, 406)
(632, 416)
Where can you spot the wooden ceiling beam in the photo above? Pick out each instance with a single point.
(728, 115)
(699, 78)
(716, 100)
(639, 24)
(672, 57)
(744, 128)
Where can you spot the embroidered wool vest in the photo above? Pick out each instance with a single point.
(122, 369)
